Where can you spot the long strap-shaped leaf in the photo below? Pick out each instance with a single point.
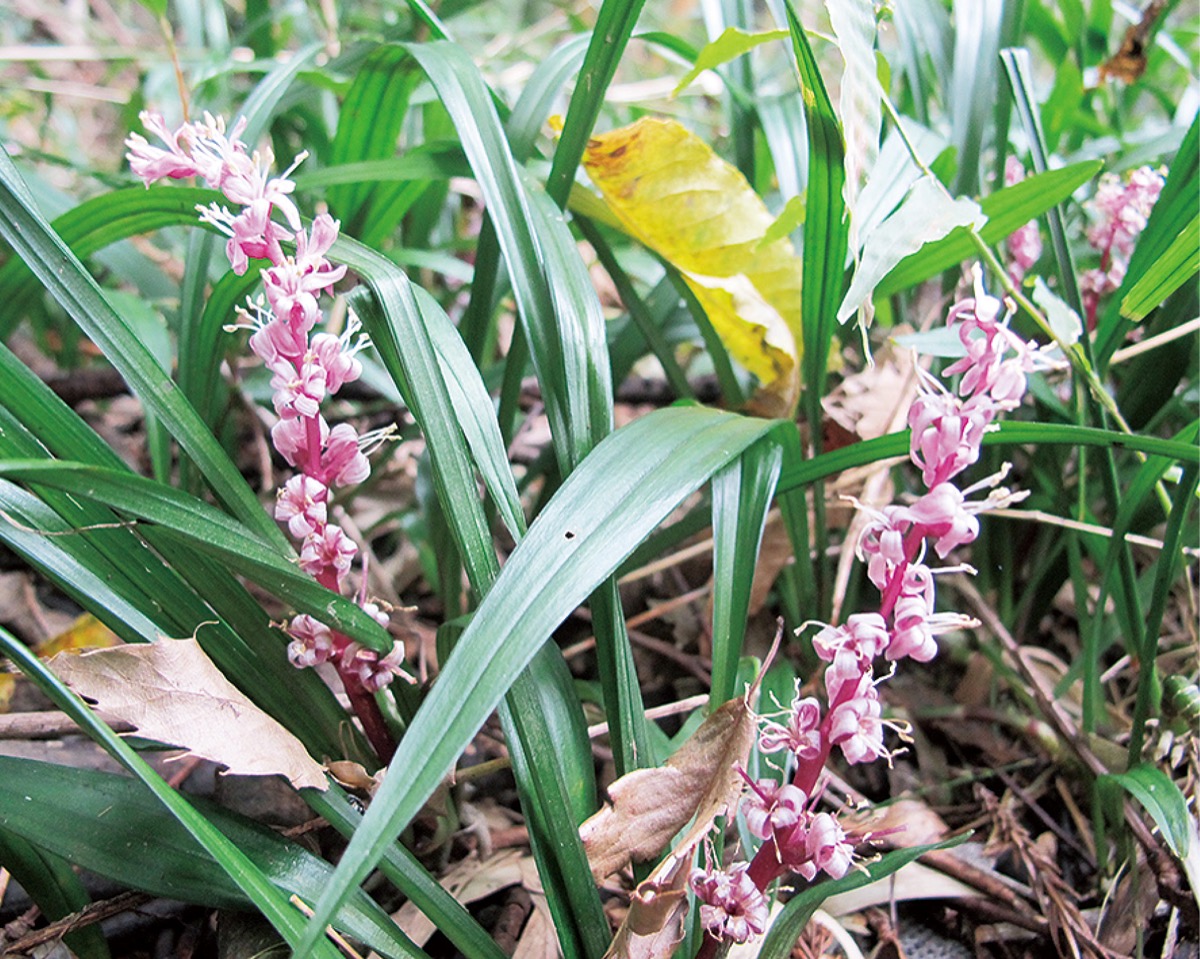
(249, 878)
(69, 811)
(826, 239)
(69, 283)
(629, 484)
(210, 530)
(797, 473)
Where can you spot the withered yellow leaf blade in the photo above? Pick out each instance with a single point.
(171, 691)
(672, 193)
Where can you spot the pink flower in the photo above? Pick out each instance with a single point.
(325, 549)
(302, 504)
(914, 632)
(863, 634)
(943, 514)
(291, 438)
(771, 808)
(856, 726)
(252, 235)
(337, 354)
(732, 907)
(298, 391)
(373, 672)
(152, 163)
(801, 735)
(846, 678)
(827, 846)
(343, 461)
(312, 641)
(881, 543)
(275, 341)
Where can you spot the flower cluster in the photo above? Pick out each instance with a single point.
(1025, 243)
(1121, 209)
(947, 429)
(306, 367)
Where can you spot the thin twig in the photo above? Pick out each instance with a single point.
(90, 914)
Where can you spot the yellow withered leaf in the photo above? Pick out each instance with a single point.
(672, 193)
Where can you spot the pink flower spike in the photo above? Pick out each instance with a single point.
(302, 504)
(827, 846)
(732, 907)
(328, 548)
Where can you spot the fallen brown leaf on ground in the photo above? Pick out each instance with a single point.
(172, 692)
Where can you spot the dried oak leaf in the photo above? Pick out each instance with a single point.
(650, 806)
(172, 692)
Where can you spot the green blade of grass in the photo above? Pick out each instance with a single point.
(69, 811)
(369, 123)
(1176, 266)
(741, 496)
(53, 885)
(826, 241)
(208, 528)
(563, 324)
(614, 26)
(629, 483)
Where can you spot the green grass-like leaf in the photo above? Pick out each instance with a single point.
(68, 811)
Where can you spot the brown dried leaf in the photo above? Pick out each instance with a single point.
(872, 403)
(654, 925)
(649, 806)
(172, 692)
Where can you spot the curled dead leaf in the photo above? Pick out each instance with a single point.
(649, 806)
